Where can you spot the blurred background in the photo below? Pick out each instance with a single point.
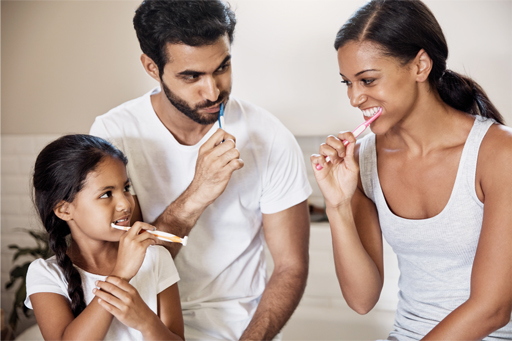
(65, 62)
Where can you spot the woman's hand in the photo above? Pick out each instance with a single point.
(338, 178)
(122, 300)
(132, 250)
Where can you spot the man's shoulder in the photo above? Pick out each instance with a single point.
(128, 110)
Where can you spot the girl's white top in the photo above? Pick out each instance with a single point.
(156, 274)
(435, 255)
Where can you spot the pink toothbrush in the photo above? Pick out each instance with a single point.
(358, 131)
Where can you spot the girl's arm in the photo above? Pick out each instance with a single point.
(56, 321)
(123, 301)
(356, 235)
(490, 303)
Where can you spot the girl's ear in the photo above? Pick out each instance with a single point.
(63, 210)
(423, 66)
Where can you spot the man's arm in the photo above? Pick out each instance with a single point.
(287, 237)
(218, 158)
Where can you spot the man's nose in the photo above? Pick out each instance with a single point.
(210, 89)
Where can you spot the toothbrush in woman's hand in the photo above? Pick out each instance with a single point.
(167, 237)
(358, 131)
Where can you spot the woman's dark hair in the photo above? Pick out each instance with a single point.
(402, 28)
(60, 172)
(193, 23)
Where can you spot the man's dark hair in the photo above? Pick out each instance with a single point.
(193, 23)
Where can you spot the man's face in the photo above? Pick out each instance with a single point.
(198, 78)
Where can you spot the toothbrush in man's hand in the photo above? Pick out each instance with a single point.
(167, 237)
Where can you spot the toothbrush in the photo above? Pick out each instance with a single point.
(221, 116)
(159, 234)
(358, 131)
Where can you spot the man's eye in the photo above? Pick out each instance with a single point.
(106, 195)
(223, 68)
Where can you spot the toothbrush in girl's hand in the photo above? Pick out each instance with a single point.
(358, 131)
(167, 237)
(221, 116)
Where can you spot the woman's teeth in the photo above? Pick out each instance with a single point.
(119, 221)
(370, 112)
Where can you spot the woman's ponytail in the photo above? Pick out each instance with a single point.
(464, 94)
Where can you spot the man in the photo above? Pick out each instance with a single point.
(189, 178)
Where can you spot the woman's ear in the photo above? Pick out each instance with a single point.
(150, 67)
(424, 65)
(63, 211)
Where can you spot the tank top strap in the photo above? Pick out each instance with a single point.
(469, 156)
(368, 165)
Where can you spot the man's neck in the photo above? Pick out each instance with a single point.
(185, 131)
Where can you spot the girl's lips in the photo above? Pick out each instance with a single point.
(125, 221)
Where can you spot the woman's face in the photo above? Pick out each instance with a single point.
(376, 81)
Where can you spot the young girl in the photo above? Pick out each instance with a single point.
(102, 283)
(434, 178)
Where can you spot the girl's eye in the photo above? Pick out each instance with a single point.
(106, 195)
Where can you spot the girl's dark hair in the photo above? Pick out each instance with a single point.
(402, 28)
(194, 23)
(60, 172)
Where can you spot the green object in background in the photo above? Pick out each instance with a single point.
(18, 273)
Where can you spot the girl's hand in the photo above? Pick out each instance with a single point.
(338, 178)
(123, 301)
(132, 250)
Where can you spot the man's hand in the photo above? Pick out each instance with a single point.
(218, 158)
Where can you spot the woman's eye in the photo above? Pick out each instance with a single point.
(127, 188)
(367, 81)
(347, 83)
(106, 195)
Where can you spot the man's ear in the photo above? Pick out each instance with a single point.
(63, 211)
(424, 66)
(150, 67)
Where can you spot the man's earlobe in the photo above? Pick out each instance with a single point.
(150, 67)
(63, 211)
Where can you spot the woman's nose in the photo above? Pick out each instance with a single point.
(357, 98)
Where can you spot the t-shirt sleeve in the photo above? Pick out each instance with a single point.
(285, 181)
(166, 270)
(45, 276)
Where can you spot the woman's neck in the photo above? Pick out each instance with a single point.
(431, 125)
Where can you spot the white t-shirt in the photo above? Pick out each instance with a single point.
(222, 268)
(156, 274)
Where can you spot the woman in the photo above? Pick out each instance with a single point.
(433, 178)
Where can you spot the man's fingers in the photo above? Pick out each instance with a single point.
(216, 139)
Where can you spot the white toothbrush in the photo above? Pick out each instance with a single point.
(168, 237)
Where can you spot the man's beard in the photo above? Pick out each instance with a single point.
(193, 113)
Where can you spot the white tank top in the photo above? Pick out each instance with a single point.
(435, 255)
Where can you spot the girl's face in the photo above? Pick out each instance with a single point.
(104, 199)
(377, 81)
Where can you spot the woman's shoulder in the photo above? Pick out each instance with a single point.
(495, 156)
(498, 141)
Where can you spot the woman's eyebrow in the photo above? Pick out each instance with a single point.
(361, 72)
